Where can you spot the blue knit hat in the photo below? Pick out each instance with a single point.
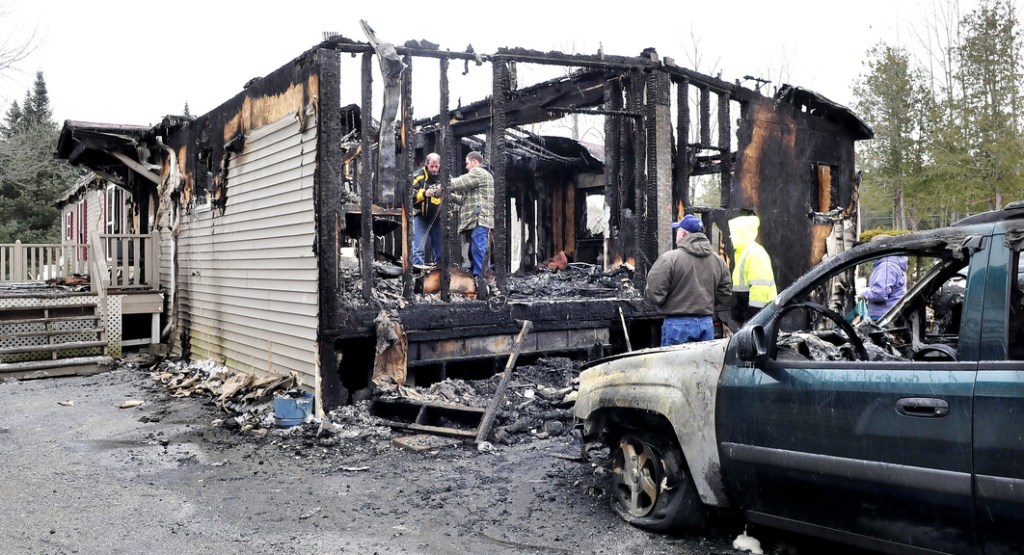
(690, 223)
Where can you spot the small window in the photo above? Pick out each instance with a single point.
(115, 209)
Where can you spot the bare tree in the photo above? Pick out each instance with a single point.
(14, 47)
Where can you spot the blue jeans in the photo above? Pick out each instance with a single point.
(420, 234)
(686, 329)
(479, 245)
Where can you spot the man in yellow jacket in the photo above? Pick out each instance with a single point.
(753, 282)
(426, 191)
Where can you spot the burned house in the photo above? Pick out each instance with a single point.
(283, 214)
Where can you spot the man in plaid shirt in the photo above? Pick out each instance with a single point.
(474, 193)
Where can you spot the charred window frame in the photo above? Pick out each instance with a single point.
(204, 181)
(823, 196)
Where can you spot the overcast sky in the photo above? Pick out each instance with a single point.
(119, 61)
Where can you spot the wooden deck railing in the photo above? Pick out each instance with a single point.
(130, 261)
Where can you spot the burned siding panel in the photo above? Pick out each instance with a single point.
(248, 278)
(778, 177)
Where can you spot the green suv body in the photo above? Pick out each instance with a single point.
(902, 435)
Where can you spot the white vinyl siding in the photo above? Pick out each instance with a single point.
(247, 278)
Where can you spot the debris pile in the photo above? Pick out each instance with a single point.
(248, 397)
(548, 281)
(537, 404)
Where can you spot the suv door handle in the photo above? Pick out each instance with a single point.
(925, 407)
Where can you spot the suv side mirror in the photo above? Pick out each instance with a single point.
(750, 344)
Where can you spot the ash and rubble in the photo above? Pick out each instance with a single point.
(536, 405)
(550, 280)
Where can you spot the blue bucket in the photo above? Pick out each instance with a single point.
(289, 411)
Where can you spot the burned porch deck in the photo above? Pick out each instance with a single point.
(572, 314)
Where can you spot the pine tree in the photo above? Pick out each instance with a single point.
(893, 99)
(13, 117)
(36, 109)
(990, 73)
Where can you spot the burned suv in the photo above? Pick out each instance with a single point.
(903, 434)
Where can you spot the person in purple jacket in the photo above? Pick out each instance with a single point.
(887, 284)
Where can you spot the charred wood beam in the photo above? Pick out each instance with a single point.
(404, 186)
(588, 61)
(545, 227)
(366, 254)
(531, 105)
(142, 196)
(707, 81)
(528, 225)
(644, 210)
(449, 155)
(592, 112)
(709, 165)
(725, 145)
(682, 162)
(657, 108)
(705, 116)
(353, 47)
(141, 169)
(613, 148)
(594, 61)
(501, 91)
(328, 214)
(448, 321)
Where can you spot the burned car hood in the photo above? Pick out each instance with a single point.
(674, 368)
(680, 383)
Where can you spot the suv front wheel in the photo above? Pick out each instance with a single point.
(650, 485)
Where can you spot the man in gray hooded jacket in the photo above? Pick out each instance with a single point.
(687, 283)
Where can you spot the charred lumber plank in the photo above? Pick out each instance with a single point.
(658, 147)
(646, 233)
(496, 144)
(705, 116)
(448, 155)
(499, 393)
(725, 147)
(613, 145)
(681, 183)
(532, 104)
(445, 321)
(365, 184)
(404, 186)
(328, 199)
(427, 417)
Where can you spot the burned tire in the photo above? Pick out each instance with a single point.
(650, 484)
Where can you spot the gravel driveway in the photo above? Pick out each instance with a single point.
(80, 475)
